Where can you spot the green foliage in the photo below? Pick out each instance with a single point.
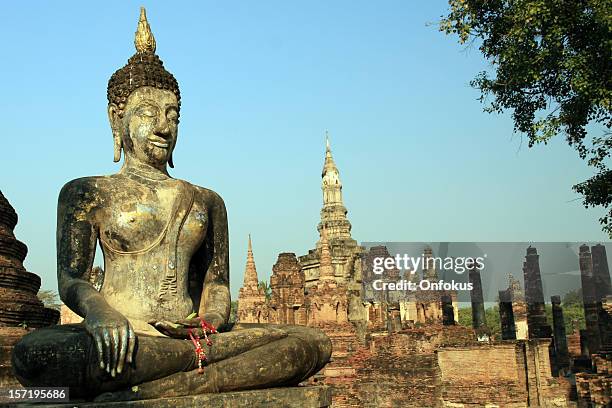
(573, 314)
(552, 63)
(493, 320)
(491, 317)
(465, 316)
(233, 311)
(50, 299)
(266, 288)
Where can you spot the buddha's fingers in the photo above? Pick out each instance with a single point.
(116, 347)
(123, 336)
(171, 329)
(107, 349)
(100, 347)
(132, 344)
(225, 345)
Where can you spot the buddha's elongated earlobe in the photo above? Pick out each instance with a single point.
(117, 147)
(114, 117)
(170, 162)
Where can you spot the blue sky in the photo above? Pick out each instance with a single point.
(260, 83)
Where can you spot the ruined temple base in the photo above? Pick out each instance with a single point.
(290, 397)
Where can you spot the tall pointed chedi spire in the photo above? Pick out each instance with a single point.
(333, 213)
(252, 303)
(326, 269)
(250, 271)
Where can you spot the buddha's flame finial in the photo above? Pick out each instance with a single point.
(144, 40)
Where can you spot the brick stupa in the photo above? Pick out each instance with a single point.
(20, 309)
(19, 305)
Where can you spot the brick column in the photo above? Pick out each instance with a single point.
(506, 315)
(561, 350)
(448, 312)
(601, 272)
(478, 309)
(534, 295)
(589, 296)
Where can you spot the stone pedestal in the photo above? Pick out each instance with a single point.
(289, 397)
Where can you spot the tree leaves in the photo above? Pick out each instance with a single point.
(552, 63)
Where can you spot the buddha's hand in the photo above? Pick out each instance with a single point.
(180, 329)
(114, 337)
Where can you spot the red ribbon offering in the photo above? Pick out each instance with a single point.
(195, 339)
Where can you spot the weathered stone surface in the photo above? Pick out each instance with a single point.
(287, 285)
(560, 338)
(477, 299)
(8, 337)
(289, 397)
(18, 288)
(594, 385)
(534, 295)
(589, 297)
(506, 316)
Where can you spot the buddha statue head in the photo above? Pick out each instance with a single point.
(143, 105)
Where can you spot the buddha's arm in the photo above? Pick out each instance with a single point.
(215, 303)
(76, 244)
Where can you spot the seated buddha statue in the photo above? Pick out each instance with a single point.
(166, 271)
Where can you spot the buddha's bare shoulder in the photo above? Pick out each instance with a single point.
(85, 190)
(208, 197)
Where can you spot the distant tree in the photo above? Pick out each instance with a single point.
(266, 288)
(49, 298)
(573, 311)
(465, 316)
(492, 319)
(552, 67)
(233, 312)
(573, 314)
(572, 298)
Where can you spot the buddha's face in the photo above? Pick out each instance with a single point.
(147, 125)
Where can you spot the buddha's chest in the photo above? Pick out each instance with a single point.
(150, 217)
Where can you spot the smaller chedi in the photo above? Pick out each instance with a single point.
(19, 305)
(20, 308)
(252, 307)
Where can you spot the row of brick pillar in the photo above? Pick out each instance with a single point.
(596, 286)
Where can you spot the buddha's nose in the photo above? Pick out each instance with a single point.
(163, 126)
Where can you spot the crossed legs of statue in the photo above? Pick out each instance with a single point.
(249, 356)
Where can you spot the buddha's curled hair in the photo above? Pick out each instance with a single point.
(142, 69)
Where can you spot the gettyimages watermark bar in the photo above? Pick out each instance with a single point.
(393, 271)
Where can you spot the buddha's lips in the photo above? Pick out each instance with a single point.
(159, 143)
